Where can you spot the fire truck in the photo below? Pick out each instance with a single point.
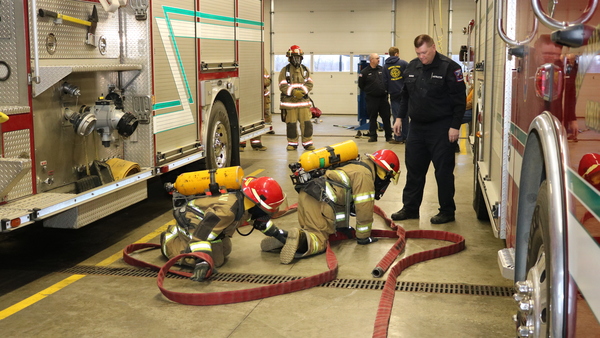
(536, 148)
(97, 97)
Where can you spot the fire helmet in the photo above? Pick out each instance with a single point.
(294, 55)
(388, 161)
(265, 192)
(589, 169)
(294, 50)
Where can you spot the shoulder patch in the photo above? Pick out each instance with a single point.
(459, 75)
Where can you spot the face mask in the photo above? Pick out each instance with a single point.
(380, 187)
(296, 60)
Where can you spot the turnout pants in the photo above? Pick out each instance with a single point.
(316, 218)
(303, 116)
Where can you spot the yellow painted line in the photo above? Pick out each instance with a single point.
(38, 296)
(256, 172)
(71, 279)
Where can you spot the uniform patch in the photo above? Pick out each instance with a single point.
(459, 75)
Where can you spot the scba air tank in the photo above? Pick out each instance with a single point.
(327, 156)
(199, 182)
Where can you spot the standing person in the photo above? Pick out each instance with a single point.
(295, 84)
(370, 80)
(256, 142)
(322, 205)
(207, 223)
(393, 77)
(434, 98)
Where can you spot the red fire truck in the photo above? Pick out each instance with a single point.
(99, 96)
(536, 146)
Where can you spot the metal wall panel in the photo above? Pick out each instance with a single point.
(216, 31)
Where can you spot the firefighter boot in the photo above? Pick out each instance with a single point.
(275, 240)
(295, 245)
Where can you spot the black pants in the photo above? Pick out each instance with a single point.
(428, 143)
(379, 106)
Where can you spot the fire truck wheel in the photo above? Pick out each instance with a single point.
(219, 137)
(535, 303)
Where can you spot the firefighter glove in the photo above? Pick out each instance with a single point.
(298, 93)
(200, 271)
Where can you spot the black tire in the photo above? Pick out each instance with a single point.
(479, 202)
(219, 138)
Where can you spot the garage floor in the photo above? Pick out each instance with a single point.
(102, 296)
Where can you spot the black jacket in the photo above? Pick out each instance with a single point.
(370, 80)
(434, 92)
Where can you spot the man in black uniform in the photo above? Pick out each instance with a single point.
(370, 80)
(434, 98)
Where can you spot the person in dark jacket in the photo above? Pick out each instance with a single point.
(370, 80)
(434, 97)
(393, 77)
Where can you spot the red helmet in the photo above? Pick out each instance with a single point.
(264, 191)
(294, 50)
(386, 160)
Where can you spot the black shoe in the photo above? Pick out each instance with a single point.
(367, 134)
(272, 132)
(392, 141)
(358, 134)
(403, 214)
(372, 139)
(442, 218)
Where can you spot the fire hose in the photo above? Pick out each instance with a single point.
(386, 301)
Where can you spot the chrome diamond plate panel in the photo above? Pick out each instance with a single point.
(111, 203)
(139, 147)
(16, 145)
(70, 37)
(11, 51)
(11, 110)
(12, 171)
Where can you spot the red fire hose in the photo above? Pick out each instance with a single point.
(386, 301)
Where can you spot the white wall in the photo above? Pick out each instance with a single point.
(336, 93)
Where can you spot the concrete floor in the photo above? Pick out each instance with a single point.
(125, 306)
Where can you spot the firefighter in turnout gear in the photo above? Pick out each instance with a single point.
(326, 203)
(206, 223)
(295, 84)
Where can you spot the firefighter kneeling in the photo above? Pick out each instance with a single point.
(326, 202)
(206, 222)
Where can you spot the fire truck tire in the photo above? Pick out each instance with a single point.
(479, 203)
(219, 138)
(539, 272)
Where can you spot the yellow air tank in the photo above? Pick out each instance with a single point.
(326, 156)
(198, 182)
